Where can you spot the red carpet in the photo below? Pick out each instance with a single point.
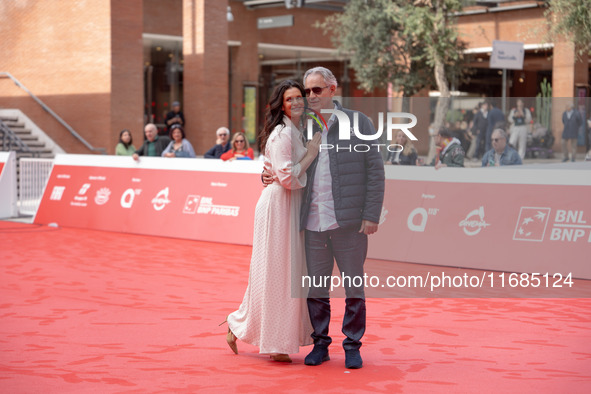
(98, 312)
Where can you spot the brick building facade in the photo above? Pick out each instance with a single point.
(105, 65)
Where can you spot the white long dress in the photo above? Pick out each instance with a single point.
(271, 316)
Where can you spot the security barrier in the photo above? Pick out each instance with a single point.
(7, 184)
(512, 219)
(33, 175)
(506, 219)
(200, 199)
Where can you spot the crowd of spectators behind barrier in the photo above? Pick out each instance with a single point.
(179, 146)
(240, 149)
(469, 138)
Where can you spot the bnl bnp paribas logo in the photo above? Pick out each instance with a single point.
(346, 131)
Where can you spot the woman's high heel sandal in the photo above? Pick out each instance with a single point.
(231, 338)
(284, 358)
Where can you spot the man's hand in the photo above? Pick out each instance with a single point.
(135, 156)
(368, 227)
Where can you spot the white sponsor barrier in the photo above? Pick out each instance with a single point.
(8, 207)
(507, 219)
(200, 199)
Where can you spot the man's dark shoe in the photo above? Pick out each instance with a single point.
(317, 356)
(353, 359)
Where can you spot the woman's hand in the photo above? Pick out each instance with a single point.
(266, 177)
(313, 145)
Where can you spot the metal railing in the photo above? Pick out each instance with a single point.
(33, 176)
(11, 141)
(56, 116)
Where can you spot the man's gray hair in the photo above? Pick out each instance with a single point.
(328, 76)
(222, 129)
(502, 132)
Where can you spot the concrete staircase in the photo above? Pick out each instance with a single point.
(28, 141)
(38, 148)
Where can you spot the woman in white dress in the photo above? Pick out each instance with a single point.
(270, 316)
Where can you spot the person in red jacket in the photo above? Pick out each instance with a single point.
(240, 150)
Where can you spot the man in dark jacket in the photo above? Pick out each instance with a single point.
(342, 206)
(496, 119)
(479, 128)
(154, 144)
(571, 119)
(222, 144)
(175, 116)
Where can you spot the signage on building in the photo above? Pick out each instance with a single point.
(275, 21)
(507, 54)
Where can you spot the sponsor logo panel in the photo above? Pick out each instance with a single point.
(57, 193)
(191, 204)
(128, 196)
(102, 196)
(161, 200)
(474, 222)
(207, 207)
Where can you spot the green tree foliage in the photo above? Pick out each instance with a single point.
(378, 51)
(399, 42)
(409, 44)
(570, 19)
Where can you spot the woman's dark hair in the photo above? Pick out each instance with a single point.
(130, 138)
(274, 113)
(176, 126)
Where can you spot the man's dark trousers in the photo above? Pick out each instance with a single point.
(349, 248)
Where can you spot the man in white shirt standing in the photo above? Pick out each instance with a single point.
(342, 206)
